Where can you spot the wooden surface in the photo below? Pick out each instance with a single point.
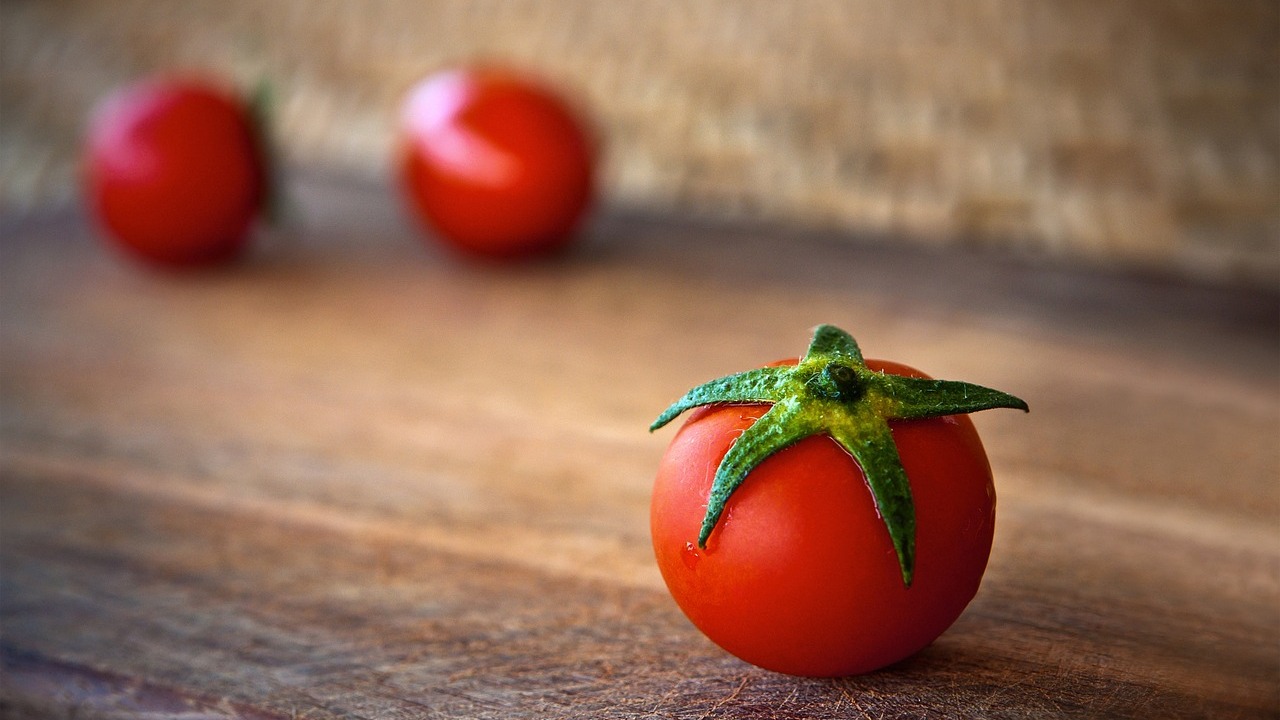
(357, 478)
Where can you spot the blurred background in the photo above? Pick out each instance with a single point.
(1136, 136)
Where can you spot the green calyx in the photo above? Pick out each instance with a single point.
(832, 391)
(261, 107)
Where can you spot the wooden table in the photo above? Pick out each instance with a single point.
(355, 477)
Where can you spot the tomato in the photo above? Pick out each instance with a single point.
(800, 575)
(497, 165)
(175, 171)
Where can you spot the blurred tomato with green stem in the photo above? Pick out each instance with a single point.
(177, 170)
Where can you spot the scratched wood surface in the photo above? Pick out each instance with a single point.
(357, 478)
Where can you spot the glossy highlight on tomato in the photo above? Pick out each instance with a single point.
(800, 575)
(175, 171)
(496, 164)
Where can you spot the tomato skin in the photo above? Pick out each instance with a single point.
(175, 172)
(800, 575)
(497, 165)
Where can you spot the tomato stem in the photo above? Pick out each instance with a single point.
(261, 104)
(831, 391)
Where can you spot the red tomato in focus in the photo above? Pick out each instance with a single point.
(497, 165)
(800, 575)
(175, 172)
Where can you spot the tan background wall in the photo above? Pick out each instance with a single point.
(1144, 135)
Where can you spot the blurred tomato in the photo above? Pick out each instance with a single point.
(175, 171)
(497, 165)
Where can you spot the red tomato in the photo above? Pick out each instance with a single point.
(175, 172)
(800, 576)
(497, 165)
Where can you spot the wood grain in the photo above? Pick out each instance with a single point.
(357, 478)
